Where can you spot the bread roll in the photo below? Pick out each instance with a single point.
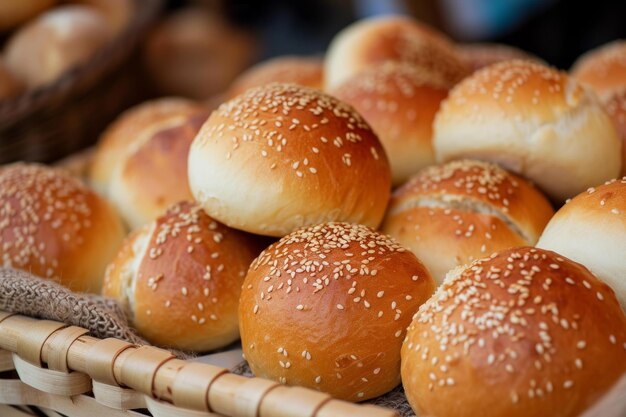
(326, 307)
(180, 277)
(399, 101)
(9, 84)
(15, 12)
(141, 160)
(480, 55)
(533, 120)
(390, 38)
(615, 106)
(282, 156)
(591, 229)
(603, 68)
(55, 42)
(55, 227)
(196, 54)
(301, 70)
(452, 214)
(523, 333)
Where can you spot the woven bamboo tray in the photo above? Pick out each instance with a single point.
(59, 367)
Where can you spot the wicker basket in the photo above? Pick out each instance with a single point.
(58, 367)
(63, 117)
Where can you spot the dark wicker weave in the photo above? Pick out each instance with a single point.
(66, 116)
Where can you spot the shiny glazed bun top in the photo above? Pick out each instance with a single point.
(55, 227)
(523, 333)
(326, 307)
(282, 156)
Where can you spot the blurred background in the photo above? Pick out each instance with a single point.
(52, 83)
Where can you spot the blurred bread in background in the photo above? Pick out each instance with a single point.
(480, 55)
(58, 40)
(391, 38)
(15, 12)
(615, 106)
(141, 160)
(117, 12)
(603, 68)
(196, 53)
(307, 71)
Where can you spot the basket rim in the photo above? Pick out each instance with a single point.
(85, 75)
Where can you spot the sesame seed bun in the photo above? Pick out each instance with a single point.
(603, 68)
(282, 156)
(533, 120)
(615, 106)
(390, 38)
(591, 229)
(480, 55)
(452, 214)
(326, 307)
(523, 333)
(55, 227)
(300, 70)
(399, 101)
(58, 40)
(180, 277)
(141, 160)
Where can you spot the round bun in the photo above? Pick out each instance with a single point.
(603, 68)
(141, 160)
(533, 120)
(14, 13)
(304, 71)
(55, 227)
(9, 84)
(283, 156)
(180, 277)
(195, 53)
(452, 214)
(480, 55)
(523, 333)
(591, 229)
(390, 38)
(327, 307)
(55, 42)
(615, 106)
(399, 101)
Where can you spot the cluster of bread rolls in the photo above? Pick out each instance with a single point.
(479, 142)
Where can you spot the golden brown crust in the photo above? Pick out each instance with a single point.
(129, 128)
(399, 101)
(451, 214)
(180, 279)
(524, 332)
(591, 229)
(480, 55)
(533, 120)
(9, 84)
(603, 68)
(615, 106)
(55, 227)
(391, 38)
(326, 308)
(58, 40)
(300, 70)
(283, 156)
